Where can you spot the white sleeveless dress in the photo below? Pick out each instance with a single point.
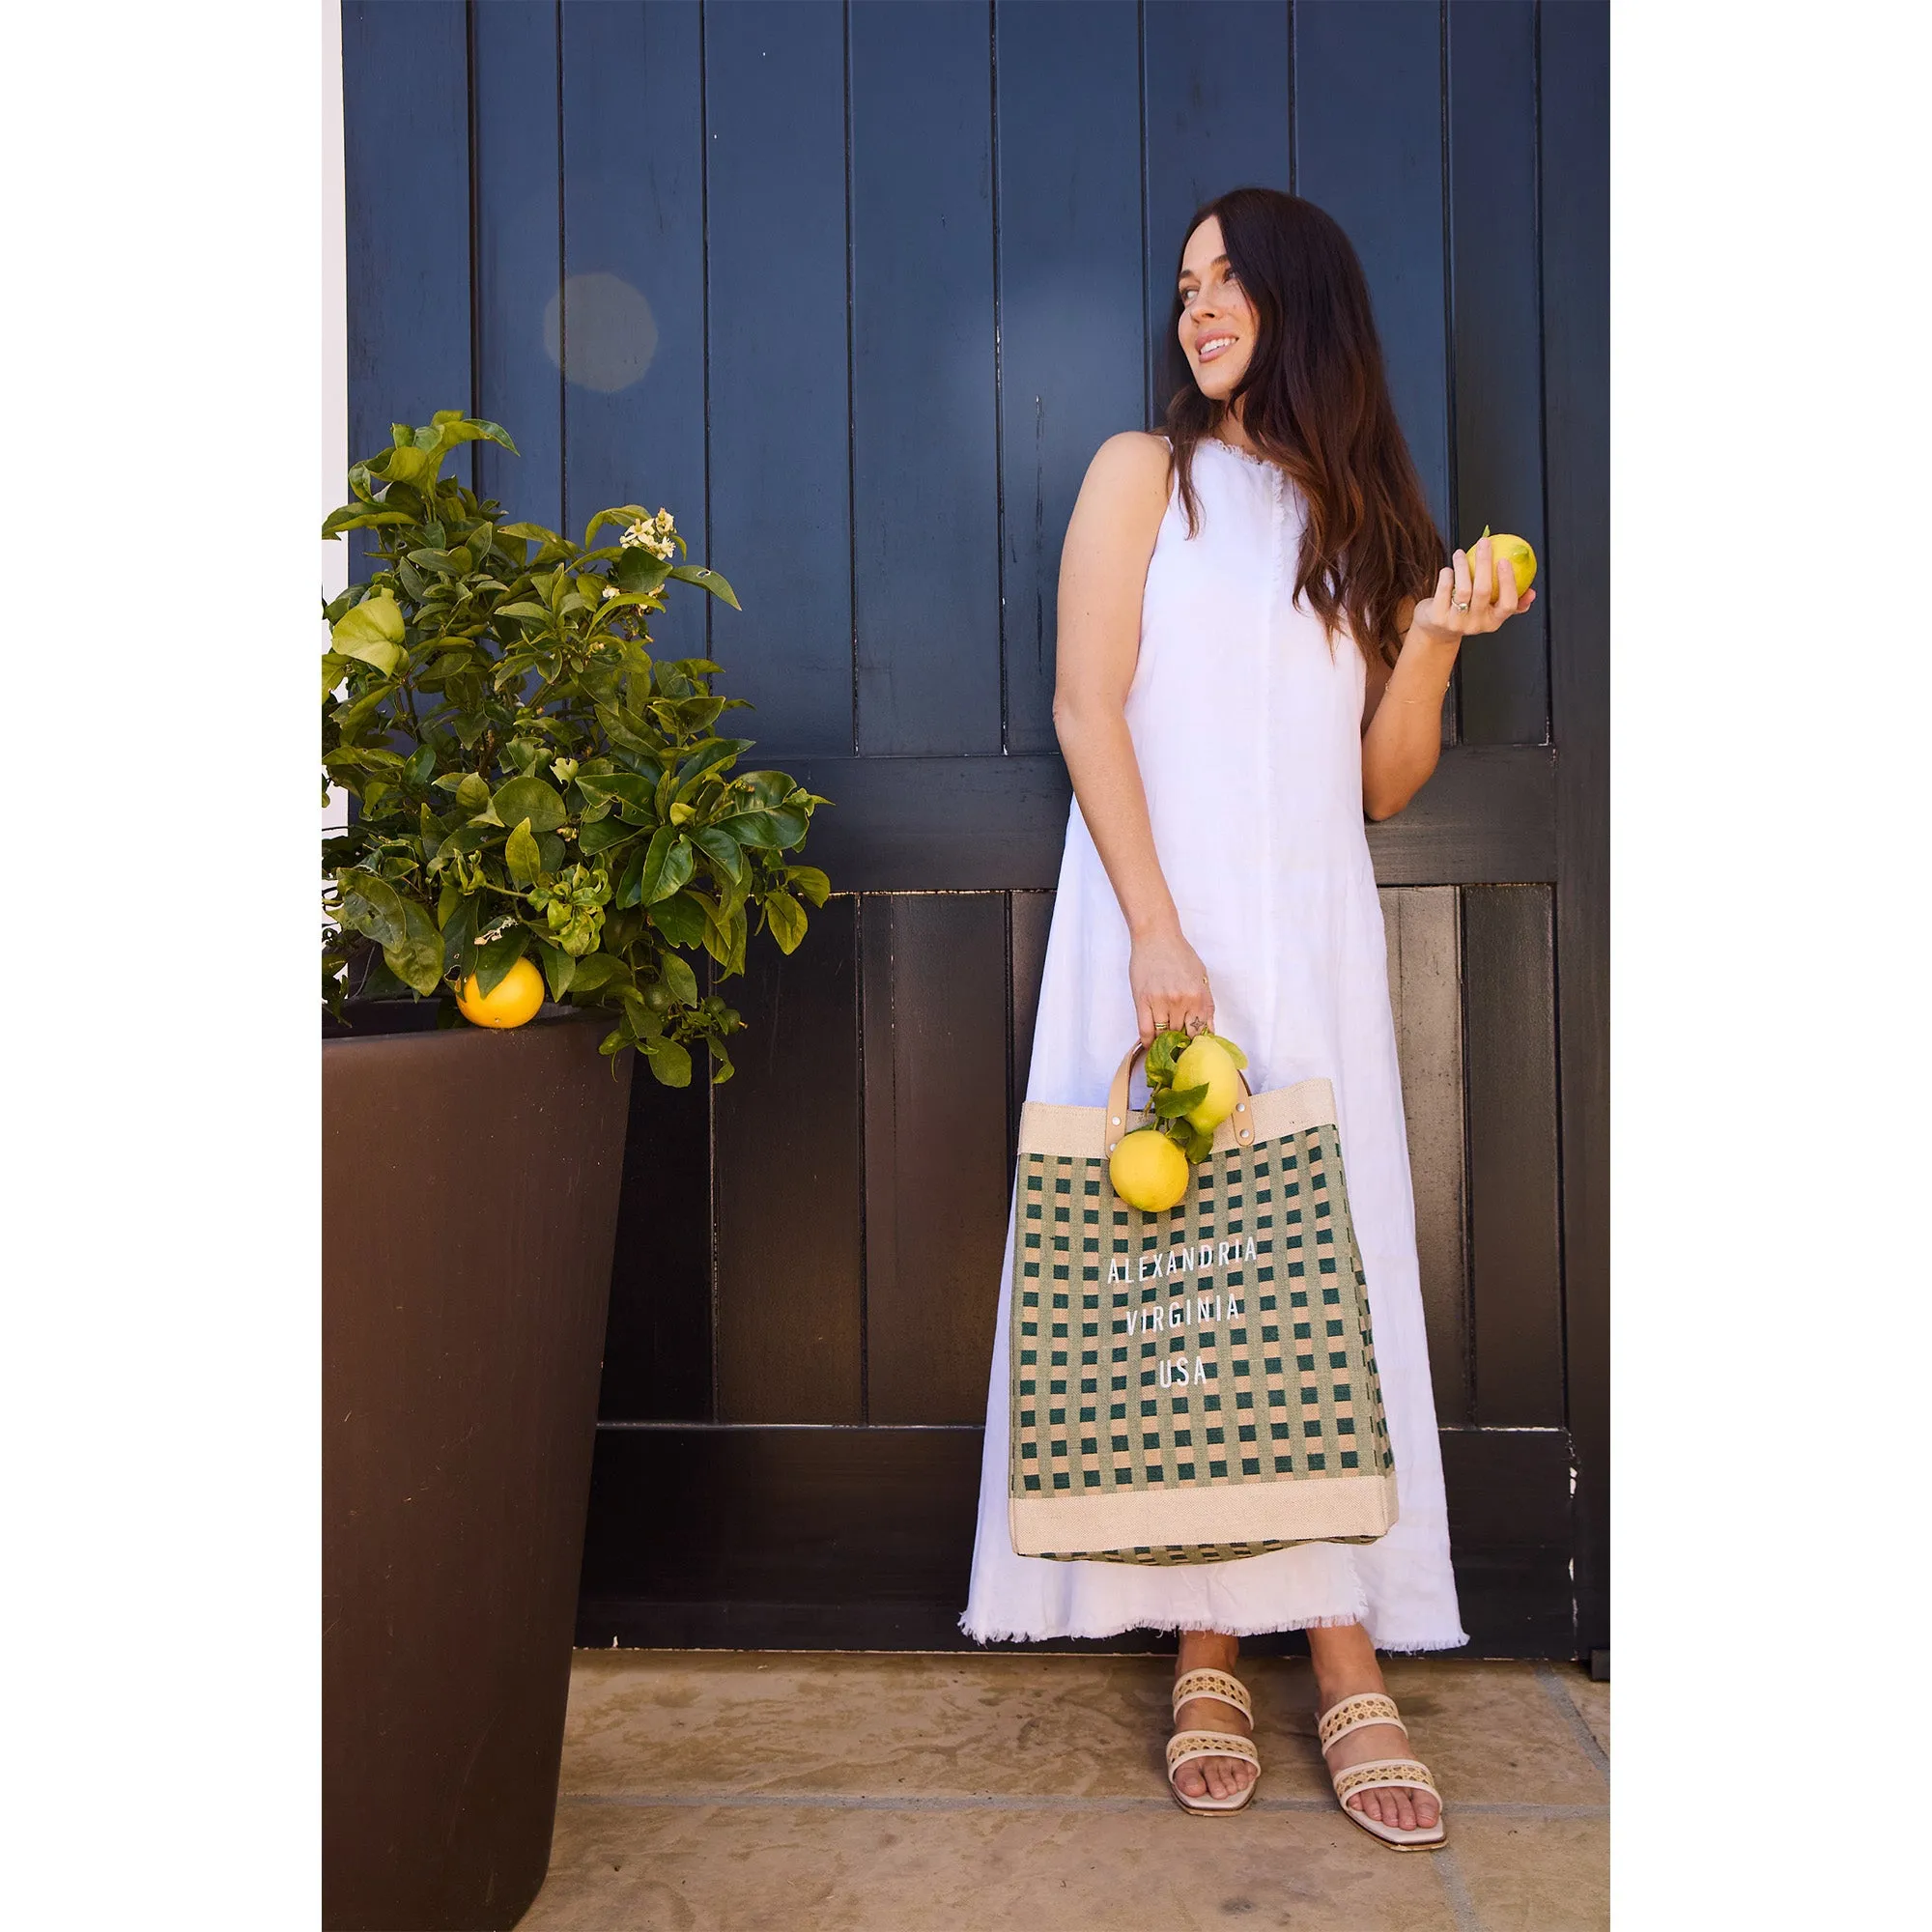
(1247, 728)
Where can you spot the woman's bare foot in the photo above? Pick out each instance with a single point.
(1345, 1667)
(1210, 1776)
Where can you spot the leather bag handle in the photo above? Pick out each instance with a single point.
(1118, 1110)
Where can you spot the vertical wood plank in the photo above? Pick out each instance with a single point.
(657, 1350)
(1217, 116)
(1499, 349)
(1515, 1254)
(789, 1184)
(925, 473)
(780, 524)
(519, 251)
(405, 158)
(881, 1126)
(631, 325)
(1029, 927)
(1574, 156)
(1368, 129)
(929, 1313)
(1426, 997)
(1071, 340)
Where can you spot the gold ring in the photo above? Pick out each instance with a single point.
(1461, 607)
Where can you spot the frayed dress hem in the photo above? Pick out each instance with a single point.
(1405, 1646)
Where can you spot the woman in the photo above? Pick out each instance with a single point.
(1256, 631)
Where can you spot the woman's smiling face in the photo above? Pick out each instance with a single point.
(1217, 322)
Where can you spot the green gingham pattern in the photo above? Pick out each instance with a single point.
(1287, 1390)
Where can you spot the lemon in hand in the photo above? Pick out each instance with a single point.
(1148, 1171)
(1206, 1062)
(1518, 556)
(514, 999)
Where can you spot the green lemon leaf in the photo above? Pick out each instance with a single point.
(598, 972)
(669, 1061)
(494, 958)
(531, 798)
(708, 580)
(785, 918)
(630, 888)
(377, 620)
(668, 865)
(522, 854)
(722, 849)
(1233, 1052)
(681, 981)
(811, 882)
(608, 788)
(680, 918)
(638, 573)
(372, 907)
(557, 968)
(417, 962)
(602, 834)
(1175, 1102)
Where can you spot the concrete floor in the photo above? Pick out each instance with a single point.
(722, 1792)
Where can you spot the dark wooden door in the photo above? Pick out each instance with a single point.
(857, 290)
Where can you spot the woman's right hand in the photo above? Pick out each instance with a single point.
(1169, 986)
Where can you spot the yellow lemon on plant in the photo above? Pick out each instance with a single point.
(1206, 1062)
(514, 999)
(1148, 1171)
(1521, 557)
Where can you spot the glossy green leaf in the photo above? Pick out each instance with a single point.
(811, 882)
(786, 918)
(680, 918)
(522, 854)
(417, 961)
(377, 620)
(724, 851)
(669, 1061)
(668, 865)
(531, 798)
(372, 907)
(598, 972)
(681, 981)
(767, 830)
(708, 580)
(558, 969)
(601, 835)
(616, 787)
(494, 959)
(638, 573)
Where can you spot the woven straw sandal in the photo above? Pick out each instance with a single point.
(1184, 1747)
(1380, 1773)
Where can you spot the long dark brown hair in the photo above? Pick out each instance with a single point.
(1314, 400)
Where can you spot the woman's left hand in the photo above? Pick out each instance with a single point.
(1476, 593)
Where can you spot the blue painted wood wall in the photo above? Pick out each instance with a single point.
(855, 289)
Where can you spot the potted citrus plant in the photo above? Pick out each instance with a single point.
(552, 863)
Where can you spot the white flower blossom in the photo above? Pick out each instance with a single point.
(610, 591)
(652, 534)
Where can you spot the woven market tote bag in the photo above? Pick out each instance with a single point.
(1195, 1385)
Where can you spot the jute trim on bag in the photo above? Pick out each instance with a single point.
(1305, 1512)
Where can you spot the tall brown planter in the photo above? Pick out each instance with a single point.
(470, 1199)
